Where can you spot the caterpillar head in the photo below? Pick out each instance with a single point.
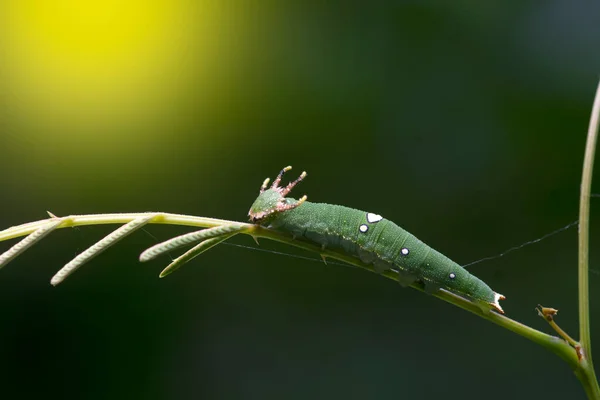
(272, 201)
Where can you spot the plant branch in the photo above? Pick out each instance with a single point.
(586, 373)
(584, 222)
(553, 343)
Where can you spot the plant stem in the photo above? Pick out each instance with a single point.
(553, 343)
(588, 377)
(118, 218)
(584, 216)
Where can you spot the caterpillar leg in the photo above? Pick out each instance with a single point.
(406, 279)
(430, 287)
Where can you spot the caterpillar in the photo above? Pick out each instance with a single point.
(369, 237)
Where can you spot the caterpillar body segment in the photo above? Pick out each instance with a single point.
(371, 238)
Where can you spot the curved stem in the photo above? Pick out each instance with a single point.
(584, 222)
(553, 343)
(589, 377)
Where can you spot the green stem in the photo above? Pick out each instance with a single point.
(120, 218)
(553, 343)
(588, 378)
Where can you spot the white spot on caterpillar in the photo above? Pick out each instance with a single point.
(372, 218)
(363, 228)
(452, 275)
(404, 251)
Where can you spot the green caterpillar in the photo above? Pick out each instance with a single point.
(369, 237)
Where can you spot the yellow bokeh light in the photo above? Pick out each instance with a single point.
(93, 31)
(96, 72)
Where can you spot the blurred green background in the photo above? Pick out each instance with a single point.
(462, 121)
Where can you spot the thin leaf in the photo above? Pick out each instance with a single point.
(194, 252)
(99, 247)
(29, 241)
(188, 238)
